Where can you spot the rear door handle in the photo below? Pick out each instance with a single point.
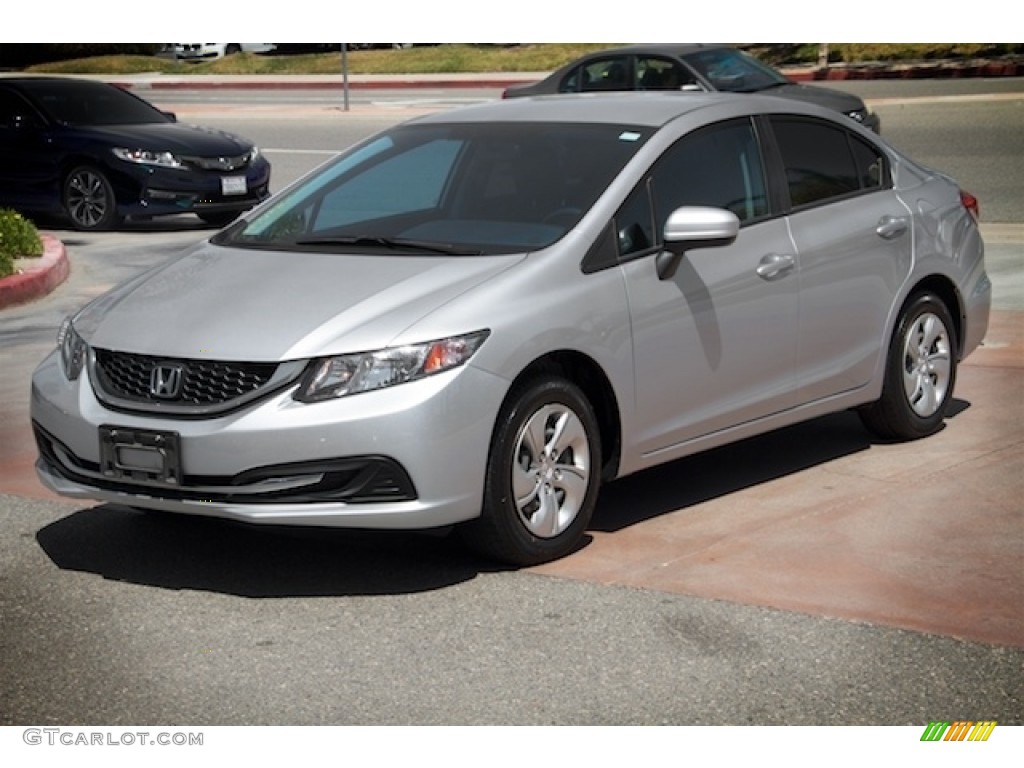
(775, 265)
(891, 227)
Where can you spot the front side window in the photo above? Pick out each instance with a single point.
(610, 74)
(656, 73)
(718, 166)
(824, 162)
(88, 103)
(461, 188)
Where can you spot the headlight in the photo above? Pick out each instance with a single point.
(333, 377)
(72, 349)
(147, 157)
(860, 115)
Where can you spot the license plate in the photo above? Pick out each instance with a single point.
(233, 185)
(138, 455)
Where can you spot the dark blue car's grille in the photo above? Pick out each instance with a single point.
(235, 163)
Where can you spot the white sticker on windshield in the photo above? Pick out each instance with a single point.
(629, 136)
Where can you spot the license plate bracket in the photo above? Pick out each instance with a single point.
(140, 455)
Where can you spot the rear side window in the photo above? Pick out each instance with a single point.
(823, 162)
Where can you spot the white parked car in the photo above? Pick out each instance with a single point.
(197, 51)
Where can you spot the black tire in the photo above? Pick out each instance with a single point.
(219, 219)
(920, 373)
(88, 199)
(231, 48)
(547, 438)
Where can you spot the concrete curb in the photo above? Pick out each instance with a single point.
(45, 274)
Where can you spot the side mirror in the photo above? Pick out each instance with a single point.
(694, 227)
(170, 116)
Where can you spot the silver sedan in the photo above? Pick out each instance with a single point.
(479, 316)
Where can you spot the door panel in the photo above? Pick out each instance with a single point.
(716, 345)
(854, 256)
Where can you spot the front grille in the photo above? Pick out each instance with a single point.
(201, 382)
(217, 163)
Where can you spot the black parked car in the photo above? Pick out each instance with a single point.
(97, 154)
(688, 67)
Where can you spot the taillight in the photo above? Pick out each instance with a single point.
(970, 202)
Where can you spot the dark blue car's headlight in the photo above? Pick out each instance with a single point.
(147, 157)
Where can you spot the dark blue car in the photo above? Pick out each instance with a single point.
(98, 154)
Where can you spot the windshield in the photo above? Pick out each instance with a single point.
(86, 103)
(473, 188)
(731, 70)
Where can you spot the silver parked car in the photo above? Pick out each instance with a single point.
(477, 317)
(688, 67)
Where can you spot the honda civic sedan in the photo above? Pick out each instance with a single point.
(688, 67)
(478, 317)
(96, 154)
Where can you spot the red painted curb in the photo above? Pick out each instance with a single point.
(45, 274)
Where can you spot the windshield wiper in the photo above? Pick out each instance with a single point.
(392, 244)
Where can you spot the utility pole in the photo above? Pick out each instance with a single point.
(822, 54)
(344, 73)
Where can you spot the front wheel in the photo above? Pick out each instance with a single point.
(920, 373)
(89, 199)
(543, 475)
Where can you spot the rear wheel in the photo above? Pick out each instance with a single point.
(920, 373)
(542, 476)
(89, 199)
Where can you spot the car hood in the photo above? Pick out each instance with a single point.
(179, 138)
(239, 304)
(814, 94)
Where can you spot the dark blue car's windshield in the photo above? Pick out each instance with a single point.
(88, 103)
(455, 188)
(731, 70)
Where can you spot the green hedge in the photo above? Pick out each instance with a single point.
(18, 239)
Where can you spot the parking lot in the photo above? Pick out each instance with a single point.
(809, 576)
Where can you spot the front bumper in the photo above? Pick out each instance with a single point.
(149, 191)
(407, 457)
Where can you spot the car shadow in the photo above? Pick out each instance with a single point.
(208, 554)
(735, 467)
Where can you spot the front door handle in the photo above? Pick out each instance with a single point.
(775, 265)
(891, 227)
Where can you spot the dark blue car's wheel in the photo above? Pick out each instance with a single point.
(89, 199)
